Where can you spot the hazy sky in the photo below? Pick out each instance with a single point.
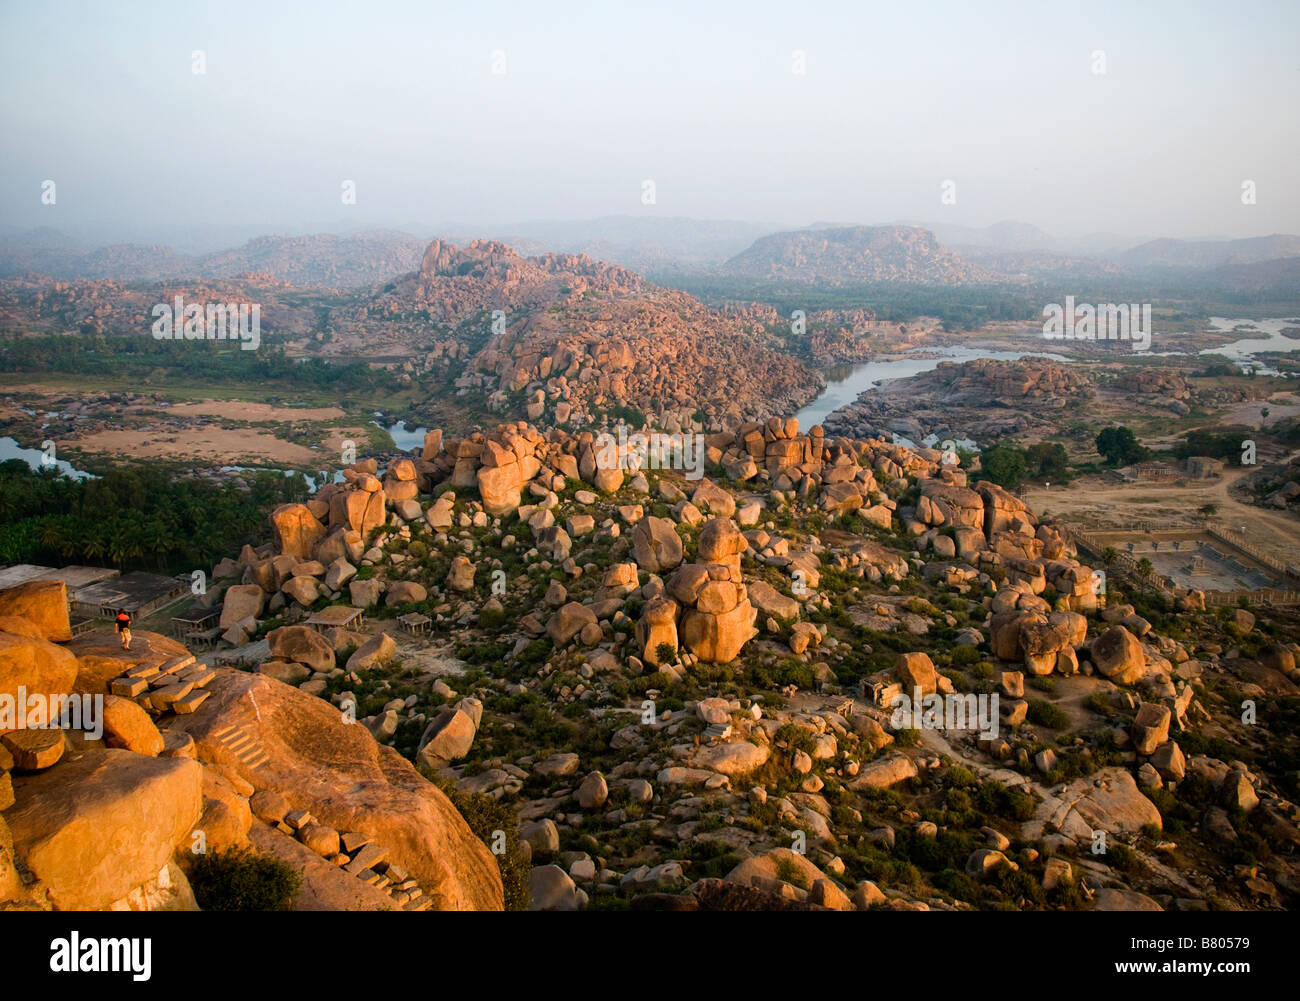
(699, 97)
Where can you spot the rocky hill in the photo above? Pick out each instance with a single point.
(856, 255)
(684, 693)
(570, 337)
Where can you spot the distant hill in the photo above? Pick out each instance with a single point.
(1167, 253)
(348, 261)
(1006, 235)
(1270, 280)
(351, 261)
(856, 254)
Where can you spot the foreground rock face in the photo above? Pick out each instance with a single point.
(345, 780)
(44, 604)
(96, 828)
(35, 665)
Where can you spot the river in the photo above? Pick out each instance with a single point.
(10, 449)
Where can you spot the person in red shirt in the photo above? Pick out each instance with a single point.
(124, 627)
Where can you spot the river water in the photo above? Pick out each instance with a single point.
(10, 449)
(847, 382)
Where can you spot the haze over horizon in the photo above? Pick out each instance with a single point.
(592, 103)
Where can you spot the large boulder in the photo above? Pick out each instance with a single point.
(721, 542)
(128, 726)
(448, 737)
(338, 773)
(43, 603)
(770, 601)
(500, 487)
(104, 823)
(35, 665)
(737, 758)
(568, 621)
(916, 670)
(1118, 655)
(656, 546)
(657, 626)
(1108, 800)
(718, 637)
(297, 530)
(242, 601)
(374, 652)
(302, 645)
(777, 865)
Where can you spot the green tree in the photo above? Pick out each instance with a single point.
(1048, 460)
(1120, 447)
(1004, 464)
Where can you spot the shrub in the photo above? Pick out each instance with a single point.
(788, 872)
(486, 816)
(238, 879)
(1045, 714)
(963, 655)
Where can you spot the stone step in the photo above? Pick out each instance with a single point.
(354, 841)
(142, 670)
(423, 904)
(191, 702)
(165, 698)
(367, 857)
(199, 677)
(298, 819)
(129, 687)
(177, 664)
